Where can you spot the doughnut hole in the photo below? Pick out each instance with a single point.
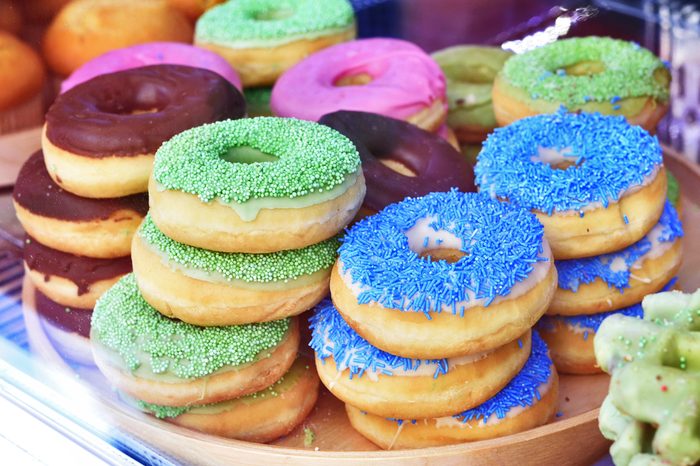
(585, 68)
(435, 245)
(147, 99)
(246, 154)
(558, 159)
(353, 79)
(398, 167)
(447, 254)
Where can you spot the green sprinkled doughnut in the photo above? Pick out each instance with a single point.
(288, 20)
(301, 158)
(256, 268)
(470, 71)
(125, 324)
(576, 71)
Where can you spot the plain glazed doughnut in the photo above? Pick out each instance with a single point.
(263, 38)
(100, 137)
(256, 185)
(432, 164)
(206, 287)
(70, 280)
(595, 182)
(153, 53)
(387, 385)
(259, 417)
(622, 278)
(390, 77)
(172, 363)
(100, 228)
(393, 286)
(589, 74)
(528, 401)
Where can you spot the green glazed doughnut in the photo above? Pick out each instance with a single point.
(146, 341)
(470, 72)
(591, 74)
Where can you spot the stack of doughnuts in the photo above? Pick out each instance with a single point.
(240, 239)
(428, 336)
(598, 185)
(82, 197)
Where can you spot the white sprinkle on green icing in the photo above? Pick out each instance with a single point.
(628, 71)
(126, 324)
(245, 20)
(310, 158)
(256, 268)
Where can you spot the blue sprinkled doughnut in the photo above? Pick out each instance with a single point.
(570, 338)
(376, 381)
(622, 278)
(530, 398)
(595, 182)
(393, 285)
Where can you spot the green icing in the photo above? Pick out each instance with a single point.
(126, 324)
(259, 268)
(673, 189)
(470, 72)
(245, 20)
(257, 101)
(619, 69)
(312, 158)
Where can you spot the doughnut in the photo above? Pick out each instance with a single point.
(470, 72)
(391, 386)
(21, 81)
(256, 185)
(445, 275)
(591, 200)
(263, 38)
(673, 192)
(206, 287)
(85, 29)
(193, 9)
(400, 160)
(589, 74)
(258, 101)
(260, 417)
(154, 53)
(123, 118)
(68, 328)
(100, 228)
(70, 280)
(528, 401)
(390, 77)
(619, 279)
(172, 363)
(10, 17)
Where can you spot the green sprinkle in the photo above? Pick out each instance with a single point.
(126, 324)
(311, 158)
(256, 268)
(309, 437)
(249, 20)
(628, 71)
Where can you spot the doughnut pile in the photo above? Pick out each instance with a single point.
(589, 74)
(651, 412)
(600, 192)
(428, 336)
(241, 238)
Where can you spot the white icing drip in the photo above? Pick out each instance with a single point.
(658, 247)
(618, 264)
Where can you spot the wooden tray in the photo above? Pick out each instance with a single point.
(571, 439)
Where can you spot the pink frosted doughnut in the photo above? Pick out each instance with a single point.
(405, 83)
(153, 53)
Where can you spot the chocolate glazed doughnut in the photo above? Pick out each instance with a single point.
(101, 135)
(436, 164)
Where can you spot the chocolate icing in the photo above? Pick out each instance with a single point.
(70, 319)
(36, 191)
(96, 119)
(83, 271)
(438, 166)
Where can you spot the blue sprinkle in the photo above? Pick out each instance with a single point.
(561, 72)
(349, 350)
(438, 241)
(587, 98)
(534, 96)
(520, 343)
(559, 414)
(426, 240)
(615, 99)
(616, 107)
(581, 213)
(627, 220)
(667, 64)
(585, 335)
(575, 272)
(502, 241)
(506, 171)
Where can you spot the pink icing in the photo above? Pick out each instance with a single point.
(154, 53)
(405, 80)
